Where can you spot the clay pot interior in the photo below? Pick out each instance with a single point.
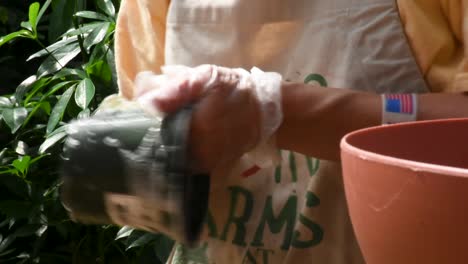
(406, 187)
(437, 142)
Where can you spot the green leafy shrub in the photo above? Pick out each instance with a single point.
(68, 72)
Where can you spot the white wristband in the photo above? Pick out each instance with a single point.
(399, 108)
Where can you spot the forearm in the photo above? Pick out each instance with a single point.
(315, 119)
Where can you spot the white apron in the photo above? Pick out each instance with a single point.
(295, 213)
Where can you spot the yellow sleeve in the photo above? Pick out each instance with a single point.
(434, 29)
(139, 40)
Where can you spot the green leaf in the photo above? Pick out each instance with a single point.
(59, 109)
(31, 114)
(5, 102)
(124, 232)
(24, 256)
(84, 114)
(18, 34)
(59, 130)
(36, 159)
(11, 223)
(42, 11)
(9, 251)
(84, 93)
(91, 15)
(37, 86)
(59, 19)
(110, 58)
(24, 87)
(107, 6)
(58, 59)
(21, 147)
(45, 104)
(83, 29)
(98, 54)
(27, 25)
(9, 171)
(100, 69)
(33, 13)
(28, 230)
(70, 72)
(46, 107)
(81, 4)
(22, 164)
(52, 190)
(142, 241)
(97, 35)
(52, 48)
(41, 230)
(4, 223)
(55, 88)
(14, 117)
(51, 141)
(2, 153)
(41, 105)
(6, 243)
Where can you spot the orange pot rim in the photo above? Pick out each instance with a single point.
(345, 146)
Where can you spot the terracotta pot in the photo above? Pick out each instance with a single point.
(407, 191)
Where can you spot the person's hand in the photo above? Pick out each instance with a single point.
(234, 110)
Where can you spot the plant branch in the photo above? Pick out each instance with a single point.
(81, 41)
(48, 52)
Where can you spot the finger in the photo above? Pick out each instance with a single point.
(166, 99)
(184, 86)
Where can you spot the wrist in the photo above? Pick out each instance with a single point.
(316, 118)
(399, 108)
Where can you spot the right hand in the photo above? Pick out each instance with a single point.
(226, 121)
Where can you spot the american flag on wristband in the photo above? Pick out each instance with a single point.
(399, 103)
